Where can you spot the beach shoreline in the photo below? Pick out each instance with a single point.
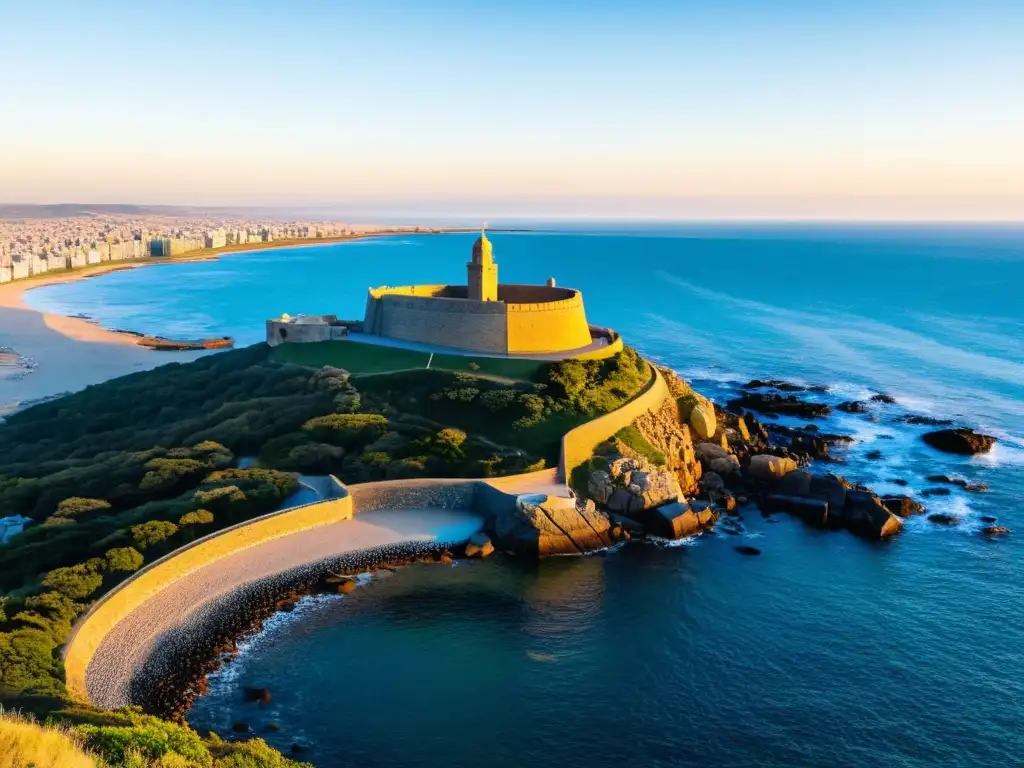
(47, 355)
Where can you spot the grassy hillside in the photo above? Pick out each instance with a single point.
(360, 358)
(124, 472)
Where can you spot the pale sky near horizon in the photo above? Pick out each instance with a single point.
(735, 108)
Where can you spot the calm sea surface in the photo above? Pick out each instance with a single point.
(824, 651)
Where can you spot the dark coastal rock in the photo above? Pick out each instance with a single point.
(767, 467)
(924, 421)
(852, 406)
(873, 455)
(771, 403)
(995, 530)
(867, 516)
(898, 481)
(745, 550)
(795, 484)
(988, 518)
(944, 518)
(811, 511)
(678, 520)
(240, 727)
(903, 506)
(634, 527)
(261, 695)
(883, 398)
(959, 482)
(832, 489)
(936, 492)
(783, 386)
(962, 441)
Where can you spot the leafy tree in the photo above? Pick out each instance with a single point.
(198, 517)
(126, 559)
(76, 581)
(155, 531)
(78, 505)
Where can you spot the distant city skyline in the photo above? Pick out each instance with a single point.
(649, 109)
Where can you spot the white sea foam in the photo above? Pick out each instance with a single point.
(658, 541)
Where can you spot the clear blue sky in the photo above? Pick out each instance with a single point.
(737, 107)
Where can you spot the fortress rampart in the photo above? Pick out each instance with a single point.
(526, 319)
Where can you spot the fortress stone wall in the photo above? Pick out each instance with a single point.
(526, 319)
(544, 326)
(408, 315)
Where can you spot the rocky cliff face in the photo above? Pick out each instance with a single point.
(667, 431)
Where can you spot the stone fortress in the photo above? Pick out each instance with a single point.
(483, 317)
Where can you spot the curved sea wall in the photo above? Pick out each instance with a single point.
(578, 444)
(119, 603)
(244, 551)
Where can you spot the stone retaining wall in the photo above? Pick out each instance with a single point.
(136, 590)
(578, 444)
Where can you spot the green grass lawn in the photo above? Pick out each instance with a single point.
(360, 358)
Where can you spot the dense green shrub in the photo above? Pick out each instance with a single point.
(78, 505)
(153, 532)
(76, 582)
(125, 559)
(149, 736)
(198, 517)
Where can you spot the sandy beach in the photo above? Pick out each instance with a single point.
(192, 600)
(43, 355)
(48, 354)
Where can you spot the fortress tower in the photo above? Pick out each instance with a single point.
(482, 271)
(481, 317)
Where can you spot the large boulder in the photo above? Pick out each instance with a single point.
(795, 484)
(540, 525)
(811, 511)
(902, 506)
(599, 486)
(702, 418)
(867, 516)
(963, 441)
(634, 485)
(708, 452)
(724, 466)
(677, 520)
(767, 467)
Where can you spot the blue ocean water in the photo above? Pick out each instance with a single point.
(826, 650)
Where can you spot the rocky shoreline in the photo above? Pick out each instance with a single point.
(715, 464)
(719, 460)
